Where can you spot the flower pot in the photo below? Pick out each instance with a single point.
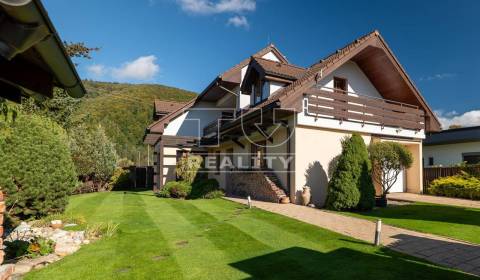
(285, 200)
(381, 201)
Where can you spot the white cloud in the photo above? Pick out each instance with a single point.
(470, 118)
(440, 76)
(238, 21)
(206, 7)
(97, 70)
(142, 68)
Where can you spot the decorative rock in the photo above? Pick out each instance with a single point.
(56, 224)
(6, 270)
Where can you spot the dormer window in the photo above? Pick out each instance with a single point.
(260, 91)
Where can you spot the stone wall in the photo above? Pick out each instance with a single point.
(6, 270)
(254, 184)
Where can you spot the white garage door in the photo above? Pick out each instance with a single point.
(399, 185)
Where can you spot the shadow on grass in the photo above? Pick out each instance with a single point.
(428, 212)
(343, 263)
(135, 192)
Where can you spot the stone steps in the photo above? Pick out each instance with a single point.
(275, 184)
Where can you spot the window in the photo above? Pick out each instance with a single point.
(265, 90)
(430, 161)
(340, 85)
(471, 158)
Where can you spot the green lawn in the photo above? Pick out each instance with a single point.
(455, 222)
(218, 239)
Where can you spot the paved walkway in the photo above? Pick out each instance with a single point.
(440, 250)
(434, 199)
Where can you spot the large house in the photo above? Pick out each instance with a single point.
(452, 146)
(267, 127)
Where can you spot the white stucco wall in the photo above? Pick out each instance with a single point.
(449, 154)
(314, 151)
(356, 79)
(191, 122)
(271, 56)
(274, 86)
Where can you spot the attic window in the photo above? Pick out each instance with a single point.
(340, 85)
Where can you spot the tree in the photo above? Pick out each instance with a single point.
(351, 184)
(79, 49)
(187, 167)
(93, 154)
(388, 160)
(36, 170)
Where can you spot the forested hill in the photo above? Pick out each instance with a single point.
(125, 110)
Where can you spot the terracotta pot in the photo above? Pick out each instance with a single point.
(285, 200)
(306, 196)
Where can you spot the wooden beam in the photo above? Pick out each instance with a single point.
(235, 140)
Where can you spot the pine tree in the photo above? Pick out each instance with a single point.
(36, 170)
(351, 184)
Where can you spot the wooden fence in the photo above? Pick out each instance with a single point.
(432, 173)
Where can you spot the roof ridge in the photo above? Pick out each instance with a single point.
(247, 60)
(314, 68)
(279, 62)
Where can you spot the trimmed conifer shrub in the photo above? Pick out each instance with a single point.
(36, 170)
(351, 185)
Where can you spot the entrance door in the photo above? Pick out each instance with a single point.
(399, 185)
(258, 151)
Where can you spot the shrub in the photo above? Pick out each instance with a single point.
(388, 160)
(175, 189)
(120, 179)
(215, 194)
(187, 167)
(462, 185)
(351, 184)
(36, 170)
(202, 188)
(94, 156)
(34, 248)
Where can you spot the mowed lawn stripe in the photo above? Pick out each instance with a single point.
(85, 204)
(141, 250)
(196, 254)
(232, 241)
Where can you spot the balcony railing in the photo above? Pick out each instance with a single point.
(350, 106)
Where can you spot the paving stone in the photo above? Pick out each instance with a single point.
(437, 249)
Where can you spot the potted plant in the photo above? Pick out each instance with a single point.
(388, 160)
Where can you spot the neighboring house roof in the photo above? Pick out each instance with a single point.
(386, 73)
(34, 58)
(155, 129)
(453, 136)
(163, 107)
(279, 69)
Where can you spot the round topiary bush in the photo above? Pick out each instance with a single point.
(36, 170)
(175, 189)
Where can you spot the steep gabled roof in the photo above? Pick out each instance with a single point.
(234, 74)
(278, 69)
(376, 43)
(165, 107)
(159, 125)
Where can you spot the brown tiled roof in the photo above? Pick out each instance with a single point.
(158, 126)
(165, 107)
(270, 48)
(279, 69)
(315, 68)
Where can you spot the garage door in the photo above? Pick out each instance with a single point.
(399, 185)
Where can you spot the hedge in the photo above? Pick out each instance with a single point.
(461, 186)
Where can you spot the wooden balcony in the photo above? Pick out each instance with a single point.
(348, 106)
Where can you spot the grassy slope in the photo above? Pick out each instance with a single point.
(125, 110)
(456, 222)
(218, 239)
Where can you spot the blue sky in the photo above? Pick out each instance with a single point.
(186, 43)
